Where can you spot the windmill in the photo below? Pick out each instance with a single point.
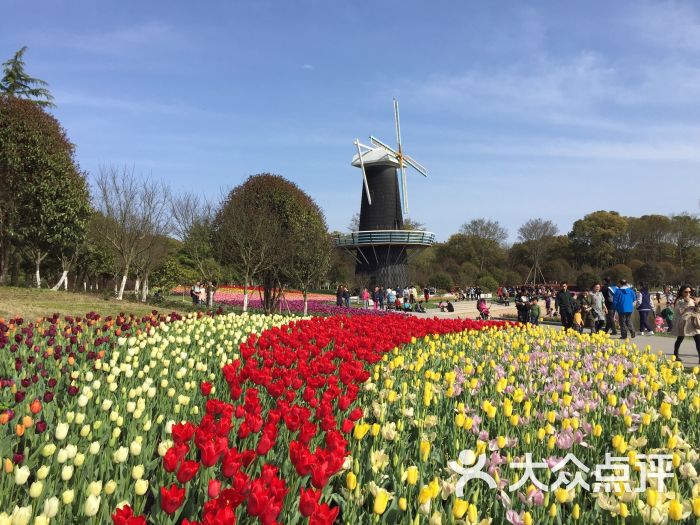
(381, 245)
(381, 153)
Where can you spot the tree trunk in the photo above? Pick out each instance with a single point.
(63, 280)
(120, 295)
(137, 285)
(85, 287)
(37, 273)
(245, 295)
(306, 303)
(144, 290)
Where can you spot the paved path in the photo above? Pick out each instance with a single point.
(658, 343)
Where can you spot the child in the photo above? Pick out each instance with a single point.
(534, 311)
(659, 323)
(667, 315)
(578, 319)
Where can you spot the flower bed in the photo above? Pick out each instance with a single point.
(89, 403)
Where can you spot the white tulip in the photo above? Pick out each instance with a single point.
(94, 488)
(120, 455)
(51, 506)
(68, 496)
(62, 431)
(92, 505)
(48, 450)
(141, 487)
(62, 456)
(41, 519)
(135, 448)
(22, 475)
(21, 515)
(79, 418)
(71, 451)
(42, 472)
(137, 472)
(35, 489)
(67, 472)
(79, 459)
(110, 487)
(94, 448)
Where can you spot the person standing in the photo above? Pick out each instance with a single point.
(584, 301)
(623, 302)
(534, 311)
(339, 296)
(564, 303)
(346, 297)
(426, 294)
(686, 313)
(365, 299)
(644, 308)
(608, 291)
(599, 310)
(522, 305)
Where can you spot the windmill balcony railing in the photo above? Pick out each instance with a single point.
(384, 237)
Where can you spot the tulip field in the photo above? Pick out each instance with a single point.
(220, 418)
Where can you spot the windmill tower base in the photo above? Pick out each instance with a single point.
(383, 266)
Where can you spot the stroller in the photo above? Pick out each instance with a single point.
(483, 309)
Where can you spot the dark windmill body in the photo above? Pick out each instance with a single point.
(381, 246)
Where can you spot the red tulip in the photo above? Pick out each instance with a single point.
(171, 498)
(205, 388)
(187, 471)
(308, 501)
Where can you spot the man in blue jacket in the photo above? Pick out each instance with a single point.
(623, 302)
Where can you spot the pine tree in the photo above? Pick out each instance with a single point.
(17, 83)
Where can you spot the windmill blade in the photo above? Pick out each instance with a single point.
(404, 190)
(397, 123)
(364, 175)
(415, 165)
(377, 142)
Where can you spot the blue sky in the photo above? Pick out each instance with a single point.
(553, 109)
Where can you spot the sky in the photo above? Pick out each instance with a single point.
(518, 110)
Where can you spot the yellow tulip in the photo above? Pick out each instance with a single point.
(380, 501)
(459, 508)
(665, 410)
(527, 518)
(623, 510)
(374, 430)
(403, 504)
(553, 510)
(652, 497)
(424, 450)
(576, 512)
(412, 475)
(696, 507)
(360, 430)
(675, 510)
(472, 514)
(351, 480)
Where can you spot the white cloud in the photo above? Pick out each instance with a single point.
(669, 24)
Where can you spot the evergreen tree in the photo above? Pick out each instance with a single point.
(17, 83)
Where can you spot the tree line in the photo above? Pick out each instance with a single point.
(654, 249)
(133, 232)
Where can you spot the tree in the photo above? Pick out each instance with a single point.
(410, 224)
(586, 280)
(619, 271)
(597, 239)
(311, 257)
(685, 235)
(650, 274)
(441, 281)
(258, 233)
(49, 207)
(485, 238)
(193, 221)
(649, 234)
(354, 224)
(134, 212)
(17, 83)
(537, 236)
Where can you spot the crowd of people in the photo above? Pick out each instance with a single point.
(405, 299)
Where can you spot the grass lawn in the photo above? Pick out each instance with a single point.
(31, 303)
